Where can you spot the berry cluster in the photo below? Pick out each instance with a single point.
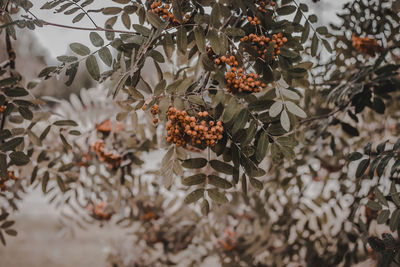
(113, 160)
(262, 4)
(243, 83)
(163, 10)
(198, 131)
(228, 59)
(254, 21)
(154, 111)
(366, 45)
(2, 108)
(10, 176)
(261, 43)
(98, 211)
(228, 243)
(105, 127)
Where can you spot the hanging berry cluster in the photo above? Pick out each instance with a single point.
(2, 108)
(98, 211)
(366, 45)
(198, 131)
(10, 176)
(239, 82)
(263, 4)
(228, 59)
(154, 111)
(163, 10)
(113, 160)
(254, 21)
(261, 43)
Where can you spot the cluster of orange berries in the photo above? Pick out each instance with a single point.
(254, 21)
(366, 45)
(162, 10)
(10, 176)
(98, 211)
(228, 243)
(198, 131)
(2, 108)
(243, 83)
(154, 111)
(113, 160)
(261, 43)
(105, 127)
(228, 59)
(262, 4)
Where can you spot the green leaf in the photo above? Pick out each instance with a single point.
(219, 182)
(80, 49)
(3, 166)
(221, 166)
(294, 109)
(194, 196)
(362, 167)
(314, 45)
(25, 112)
(381, 198)
(7, 224)
(142, 30)
(240, 120)
(194, 179)
(230, 110)
(67, 59)
(78, 17)
(11, 144)
(394, 220)
(354, 156)
(217, 196)
(19, 158)
(154, 19)
(327, 46)
(105, 56)
(112, 10)
(126, 20)
(194, 163)
(93, 67)
(262, 146)
(200, 38)
(96, 39)
(286, 10)
(45, 181)
(347, 128)
(65, 123)
(374, 205)
(383, 216)
(205, 207)
(285, 122)
(236, 32)
(11, 232)
(61, 184)
(256, 184)
(276, 108)
(181, 41)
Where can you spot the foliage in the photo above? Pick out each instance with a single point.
(265, 147)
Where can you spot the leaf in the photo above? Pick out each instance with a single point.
(314, 45)
(67, 59)
(362, 167)
(217, 196)
(65, 123)
(19, 158)
(240, 120)
(11, 232)
(286, 10)
(93, 67)
(200, 38)
(256, 183)
(221, 166)
(205, 207)
(285, 122)
(262, 146)
(374, 205)
(25, 112)
(11, 144)
(80, 49)
(181, 41)
(294, 109)
(230, 110)
(354, 156)
(154, 19)
(381, 198)
(382, 165)
(347, 128)
(142, 30)
(7, 224)
(383, 216)
(327, 46)
(290, 94)
(45, 180)
(78, 17)
(194, 196)
(394, 220)
(236, 32)
(219, 182)
(276, 108)
(105, 56)
(96, 39)
(194, 163)
(34, 138)
(126, 20)
(112, 10)
(194, 179)
(61, 184)
(3, 166)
